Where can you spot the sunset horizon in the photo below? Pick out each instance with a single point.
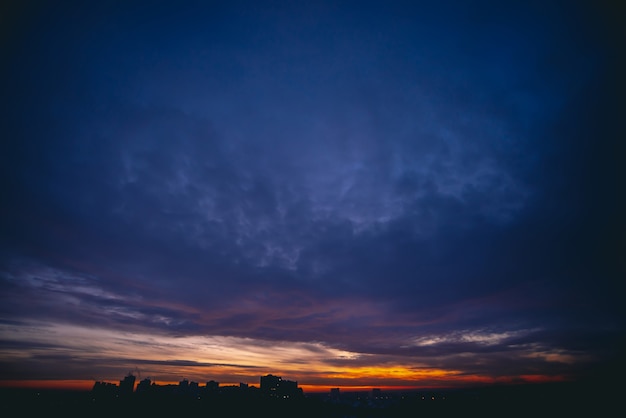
(347, 194)
(468, 383)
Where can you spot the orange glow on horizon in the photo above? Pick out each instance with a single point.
(400, 373)
(539, 378)
(353, 388)
(48, 384)
(431, 379)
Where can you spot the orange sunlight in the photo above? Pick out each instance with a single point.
(48, 384)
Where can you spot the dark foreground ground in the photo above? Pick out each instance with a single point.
(557, 400)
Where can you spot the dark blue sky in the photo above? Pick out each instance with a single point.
(430, 189)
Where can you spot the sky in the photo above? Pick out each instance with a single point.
(342, 193)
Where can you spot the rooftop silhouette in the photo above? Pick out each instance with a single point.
(284, 398)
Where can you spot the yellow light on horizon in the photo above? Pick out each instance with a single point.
(385, 372)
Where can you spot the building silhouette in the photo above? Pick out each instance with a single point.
(104, 390)
(275, 386)
(144, 385)
(270, 383)
(212, 385)
(127, 385)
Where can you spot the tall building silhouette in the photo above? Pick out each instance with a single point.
(127, 385)
(270, 383)
(275, 386)
(212, 385)
(144, 385)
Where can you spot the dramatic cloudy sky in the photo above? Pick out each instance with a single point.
(341, 193)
